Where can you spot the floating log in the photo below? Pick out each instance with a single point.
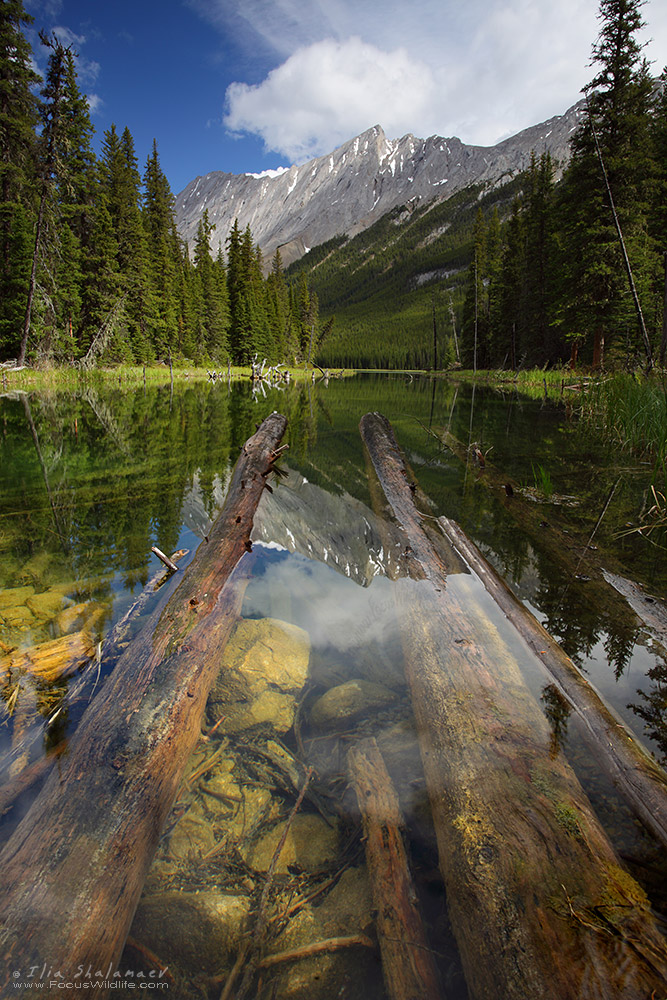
(632, 770)
(538, 900)
(74, 868)
(407, 960)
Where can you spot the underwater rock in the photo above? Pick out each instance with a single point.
(73, 619)
(310, 844)
(192, 837)
(353, 972)
(48, 604)
(195, 931)
(14, 596)
(347, 702)
(17, 616)
(265, 665)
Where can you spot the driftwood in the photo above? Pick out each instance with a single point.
(538, 900)
(632, 770)
(407, 962)
(74, 868)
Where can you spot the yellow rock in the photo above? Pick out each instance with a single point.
(15, 596)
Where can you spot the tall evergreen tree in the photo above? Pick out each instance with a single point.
(613, 138)
(50, 167)
(121, 184)
(18, 120)
(164, 253)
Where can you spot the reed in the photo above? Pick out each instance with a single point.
(630, 411)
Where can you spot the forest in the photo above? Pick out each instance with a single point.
(92, 268)
(563, 263)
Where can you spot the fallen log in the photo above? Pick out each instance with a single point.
(73, 659)
(538, 901)
(631, 769)
(576, 558)
(74, 868)
(407, 961)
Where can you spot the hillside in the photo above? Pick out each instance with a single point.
(386, 284)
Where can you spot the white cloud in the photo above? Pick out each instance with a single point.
(327, 92)
(480, 70)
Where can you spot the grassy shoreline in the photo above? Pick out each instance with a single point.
(69, 377)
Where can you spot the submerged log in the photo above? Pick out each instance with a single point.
(52, 660)
(407, 961)
(574, 558)
(539, 903)
(636, 775)
(74, 868)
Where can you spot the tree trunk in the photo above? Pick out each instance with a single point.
(631, 769)
(74, 868)
(538, 901)
(407, 961)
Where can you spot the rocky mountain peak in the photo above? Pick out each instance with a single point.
(347, 190)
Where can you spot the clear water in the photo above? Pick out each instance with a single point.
(90, 480)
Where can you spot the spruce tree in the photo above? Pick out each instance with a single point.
(164, 254)
(50, 166)
(18, 120)
(612, 139)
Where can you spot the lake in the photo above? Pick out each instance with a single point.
(91, 480)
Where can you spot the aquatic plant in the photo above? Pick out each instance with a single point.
(543, 481)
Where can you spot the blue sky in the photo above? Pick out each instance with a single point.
(250, 85)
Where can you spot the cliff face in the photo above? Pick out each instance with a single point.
(347, 190)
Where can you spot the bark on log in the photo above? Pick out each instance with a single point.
(631, 769)
(74, 868)
(407, 961)
(538, 901)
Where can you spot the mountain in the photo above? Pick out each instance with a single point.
(352, 187)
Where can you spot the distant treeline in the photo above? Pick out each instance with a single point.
(91, 263)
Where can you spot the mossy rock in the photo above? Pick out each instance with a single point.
(14, 596)
(47, 605)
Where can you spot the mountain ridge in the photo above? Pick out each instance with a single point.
(347, 190)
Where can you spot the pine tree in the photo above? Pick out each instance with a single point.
(613, 136)
(51, 114)
(164, 254)
(18, 120)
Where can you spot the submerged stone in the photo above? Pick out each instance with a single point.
(195, 931)
(346, 702)
(47, 605)
(14, 596)
(264, 667)
(310, 844)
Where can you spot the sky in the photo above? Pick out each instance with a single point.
(254, 85)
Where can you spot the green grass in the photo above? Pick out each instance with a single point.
(70, 377)
(631, 411)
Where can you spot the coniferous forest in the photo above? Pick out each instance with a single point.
(91, 265)
(557, 265)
